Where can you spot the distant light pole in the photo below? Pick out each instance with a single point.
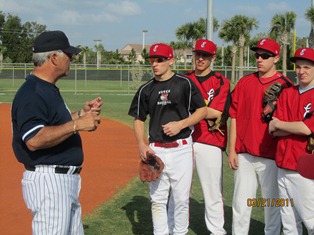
(210, 24)
(144, 31)
(98, 52)
(312, 5)
(210, 20)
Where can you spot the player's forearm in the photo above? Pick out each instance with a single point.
(195, 118)
(212, 113)
(139, 129)
(50, 136)
(232, 135)
(297, 128)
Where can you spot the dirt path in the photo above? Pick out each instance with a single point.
(110, 162)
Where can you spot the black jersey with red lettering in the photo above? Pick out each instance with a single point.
(166, 101)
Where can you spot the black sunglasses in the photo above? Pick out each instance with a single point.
(264, 56)
(203, 55)
(157, 59)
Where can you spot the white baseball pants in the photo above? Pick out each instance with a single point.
(208, 161)
(177, 177)
(251, 171)
(53, 200)
(297, 194)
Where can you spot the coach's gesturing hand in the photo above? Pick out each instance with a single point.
(88, 122)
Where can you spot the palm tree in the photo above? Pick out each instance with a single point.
(309, 15)
(244, 26)
(183, 44)
(282, 26)
(190, 32)
(85, 50)
(237, 30)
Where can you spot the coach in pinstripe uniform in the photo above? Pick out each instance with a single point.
(46, 139)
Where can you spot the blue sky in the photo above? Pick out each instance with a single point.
(119, 22)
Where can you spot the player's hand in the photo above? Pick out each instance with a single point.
(172, 128)
(233, 161)
(143, 149)
(272, 125)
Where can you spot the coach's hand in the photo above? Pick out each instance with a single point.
(233, 161)
(94, 106)
(88, 122)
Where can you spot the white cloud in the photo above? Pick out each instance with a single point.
(278, 7)
(248, 10)
(125, 8)
(167, 1)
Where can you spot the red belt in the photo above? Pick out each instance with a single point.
(169, 144)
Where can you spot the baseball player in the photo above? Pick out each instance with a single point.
(174, 105)
(46, 139)
(251, 147)
(210, 144)
(293, 122)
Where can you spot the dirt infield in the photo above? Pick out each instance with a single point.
(110, 163)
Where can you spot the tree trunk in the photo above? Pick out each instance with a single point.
(184, 58)
(84, 59)
(241, 54)
(284, 59)
(311, 39)
(233, 51)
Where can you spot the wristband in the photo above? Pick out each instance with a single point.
(74, 127)
(79, 113)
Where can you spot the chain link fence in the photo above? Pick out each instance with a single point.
(130, 77)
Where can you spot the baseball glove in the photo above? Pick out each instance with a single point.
(310, 144)
(270, 98)
(151, 168)
(215, 124)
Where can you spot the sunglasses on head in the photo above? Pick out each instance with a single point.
(264, 56)
(157, 59)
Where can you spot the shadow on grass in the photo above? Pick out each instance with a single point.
(198, 225)
(139, 214)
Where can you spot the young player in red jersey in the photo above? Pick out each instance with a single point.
(293, 122)
(251, 147)
(209, 145)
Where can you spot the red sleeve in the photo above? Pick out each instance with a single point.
(219, 101)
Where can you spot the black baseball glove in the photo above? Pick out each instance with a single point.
(270, 98)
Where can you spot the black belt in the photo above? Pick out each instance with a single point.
(58, 170)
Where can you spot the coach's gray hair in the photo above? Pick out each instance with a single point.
(40, 58)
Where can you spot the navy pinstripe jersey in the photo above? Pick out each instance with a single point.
(165, 101)
(37, 104)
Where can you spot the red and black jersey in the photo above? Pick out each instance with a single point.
(215, 88)
(293, 106)
(166, 101)
(246, 107)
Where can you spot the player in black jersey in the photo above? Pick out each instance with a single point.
(174, 105)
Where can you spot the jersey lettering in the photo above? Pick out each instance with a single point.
(210, 94)
(164, 97)
(307, 109)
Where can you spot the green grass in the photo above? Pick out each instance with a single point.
(128, 212)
